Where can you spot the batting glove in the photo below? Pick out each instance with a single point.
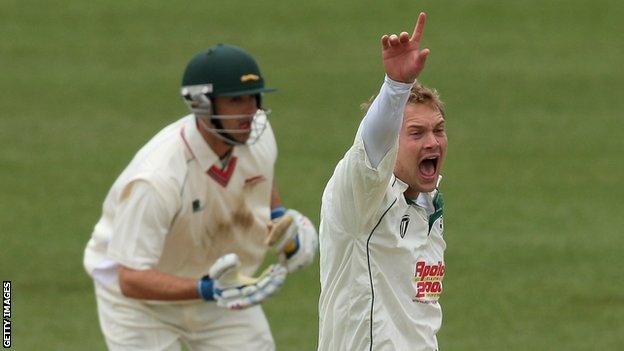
(295, 240)
(235, 291)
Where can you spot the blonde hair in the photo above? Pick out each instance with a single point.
(419, 94)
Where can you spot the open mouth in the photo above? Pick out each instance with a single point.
(428, 166)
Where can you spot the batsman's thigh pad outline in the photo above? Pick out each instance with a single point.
(246, 329)
(127, 325)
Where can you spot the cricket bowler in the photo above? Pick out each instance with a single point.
(381, 233)
(189, 221)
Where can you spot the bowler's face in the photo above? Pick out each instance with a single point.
(422, 148)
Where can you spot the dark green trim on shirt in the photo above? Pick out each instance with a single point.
(438, 205)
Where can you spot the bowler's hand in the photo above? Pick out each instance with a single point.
(402, 58)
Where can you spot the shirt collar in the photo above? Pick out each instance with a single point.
(196, 145)
(424, 200)
(398, 188)
(398, 185)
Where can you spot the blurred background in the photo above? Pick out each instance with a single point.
(533, 181)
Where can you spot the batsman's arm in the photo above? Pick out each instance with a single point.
(277, 210)
(225, 285)
(150, 284)
(141, 224)
(137, 243)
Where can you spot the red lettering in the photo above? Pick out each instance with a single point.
(426, 272)
(420, 290)
(423, 270)
(434, 270)
(420, 265)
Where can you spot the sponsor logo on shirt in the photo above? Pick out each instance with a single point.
(254, 180)
(427, 282)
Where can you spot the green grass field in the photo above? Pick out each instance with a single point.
(533, 183)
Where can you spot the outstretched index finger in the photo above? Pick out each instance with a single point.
(420, 26)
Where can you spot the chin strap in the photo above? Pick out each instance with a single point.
(259, 122)
(199, 101)
(218, 131)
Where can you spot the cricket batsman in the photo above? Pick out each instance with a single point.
(189, 221)
(381, 242)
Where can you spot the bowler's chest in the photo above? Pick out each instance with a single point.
(410, 230)
(408, 245)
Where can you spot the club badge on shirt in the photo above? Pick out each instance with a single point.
(404, 225)
(197, 205)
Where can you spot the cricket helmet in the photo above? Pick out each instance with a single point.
(223, 70)
(227, 69)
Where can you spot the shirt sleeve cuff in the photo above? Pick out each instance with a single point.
(399, 87)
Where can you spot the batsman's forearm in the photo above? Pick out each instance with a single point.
(276, 201)
(151, 284)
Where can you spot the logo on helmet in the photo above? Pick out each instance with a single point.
(248, 77)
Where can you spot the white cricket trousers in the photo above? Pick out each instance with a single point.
(129, 324)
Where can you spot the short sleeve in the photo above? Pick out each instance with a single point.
(141, 223)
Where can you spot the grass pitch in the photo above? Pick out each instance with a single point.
(533, 183)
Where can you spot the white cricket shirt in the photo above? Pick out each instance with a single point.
(381, 259)
(176, 209)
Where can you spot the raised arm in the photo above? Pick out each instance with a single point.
(403, 61)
